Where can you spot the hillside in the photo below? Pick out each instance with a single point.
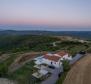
(26, 42)
(79, 34)
(17, 51)
(22, 43)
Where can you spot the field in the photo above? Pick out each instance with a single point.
(81, 72)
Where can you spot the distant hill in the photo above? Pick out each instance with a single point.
(14, 43)
(79, 34)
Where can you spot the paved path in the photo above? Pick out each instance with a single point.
(76, 58)
(53, 78)
(81, 72)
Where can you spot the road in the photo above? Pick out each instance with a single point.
(80, 72)
(76, 58)
(54, 77)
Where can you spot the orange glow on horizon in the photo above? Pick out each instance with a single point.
(44, 22)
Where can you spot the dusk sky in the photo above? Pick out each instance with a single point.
(61, 13)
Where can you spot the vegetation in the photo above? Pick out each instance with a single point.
(62, 78)
(25, 42)
(66, 68)
(24, 74)
(5, 64)
(17, 43)
(73, 46)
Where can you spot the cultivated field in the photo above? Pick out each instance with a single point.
(81, 72)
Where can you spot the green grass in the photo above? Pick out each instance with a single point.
(24, 74)
(25, 42)
(33, 43)
(5, 64)
(73, 47)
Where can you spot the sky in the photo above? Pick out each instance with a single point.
(55, 13)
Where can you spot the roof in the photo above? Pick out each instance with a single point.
(53, 58)
(62, 53)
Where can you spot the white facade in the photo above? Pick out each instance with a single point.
(50, 62)
(57, 64)
(66, 57)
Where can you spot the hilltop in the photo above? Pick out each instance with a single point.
(17, 51)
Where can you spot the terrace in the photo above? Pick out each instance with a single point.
(45, 67)
(40, 73)
(44, 71)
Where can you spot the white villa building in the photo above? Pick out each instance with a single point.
(53, 59)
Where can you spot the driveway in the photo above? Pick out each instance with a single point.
(53, 78)
(76, 58)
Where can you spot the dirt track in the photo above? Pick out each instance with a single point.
(81, 72)
(24, 58)
(6, 81)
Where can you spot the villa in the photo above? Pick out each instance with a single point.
(47, 63)
(53, 59)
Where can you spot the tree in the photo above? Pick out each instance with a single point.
(66, 65)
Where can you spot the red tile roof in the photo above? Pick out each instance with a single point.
(53, 58)
(62, 53)
(56, 56)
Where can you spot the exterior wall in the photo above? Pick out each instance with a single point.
(46, 61)
(53, 63)
(66, 57)
(49, 62)
(59, 64)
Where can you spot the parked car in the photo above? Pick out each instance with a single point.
(82, 52)
(52, 67)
